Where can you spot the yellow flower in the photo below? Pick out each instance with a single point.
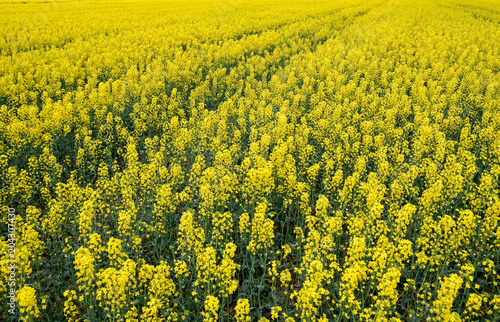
(161, 286)
(242, 310)
(226, 271)
(206, 266)
(115, 254)
(275, 311)
(70, 309)
(181, 269)
(85, 219)
(28, 303)
(244, 223)
(84, 265)
(211, 309)
(191, 236)
(287, 250)
(474, 304)
(445, 296)
(262, 235)
(285, 277)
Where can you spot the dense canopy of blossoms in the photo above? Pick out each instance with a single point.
(252, 160)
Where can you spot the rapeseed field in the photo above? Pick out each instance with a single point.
(250, 160)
